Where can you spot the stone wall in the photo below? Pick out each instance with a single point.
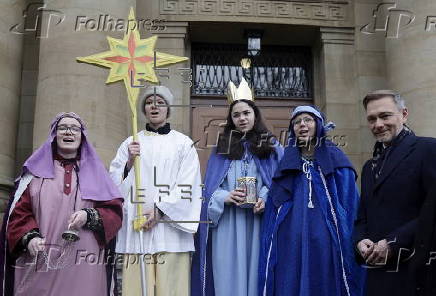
(10, 81)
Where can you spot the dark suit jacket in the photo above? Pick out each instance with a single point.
(390, 207)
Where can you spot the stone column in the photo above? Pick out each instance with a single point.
(29, 81)
(411, 64)
(66, 85)
(370, 63)
(11, 13)
(172, 40)
(339, 97)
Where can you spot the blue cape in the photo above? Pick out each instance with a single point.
(340, 180)
(217, 168)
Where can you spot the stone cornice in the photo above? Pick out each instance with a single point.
(335, 13)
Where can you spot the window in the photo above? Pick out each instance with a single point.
(278, 72)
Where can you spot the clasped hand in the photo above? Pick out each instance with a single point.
(374, 253)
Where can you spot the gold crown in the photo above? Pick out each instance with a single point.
(245, 63)
(238, 93)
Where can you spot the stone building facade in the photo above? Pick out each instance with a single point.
(354, 46)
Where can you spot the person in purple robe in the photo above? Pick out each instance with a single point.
(63, 213)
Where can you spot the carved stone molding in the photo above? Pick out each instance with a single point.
(174, 30)
(322, 10)
(337, 35)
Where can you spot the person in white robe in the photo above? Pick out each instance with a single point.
(171, 200)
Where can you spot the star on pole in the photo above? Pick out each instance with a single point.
(132, 59)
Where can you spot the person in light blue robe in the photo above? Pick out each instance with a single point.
(227, 248)
(306, 245)
(235, 234)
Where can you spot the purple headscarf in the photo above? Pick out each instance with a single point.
(94, 180)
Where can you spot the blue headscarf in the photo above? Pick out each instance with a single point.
(328, 156)
(318, 116)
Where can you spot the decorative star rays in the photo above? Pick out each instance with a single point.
(133, 60)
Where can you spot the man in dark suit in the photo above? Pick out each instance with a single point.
(396, 183)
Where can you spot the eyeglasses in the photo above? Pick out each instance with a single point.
(306, 120)
(73, 129)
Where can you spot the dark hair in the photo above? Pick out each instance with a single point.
(379, 94)
(144, 101)
(260, 140)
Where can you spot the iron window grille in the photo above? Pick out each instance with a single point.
(278, 72)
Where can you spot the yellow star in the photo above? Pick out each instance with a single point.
(132, 59)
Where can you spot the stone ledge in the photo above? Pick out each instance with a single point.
(332, 35)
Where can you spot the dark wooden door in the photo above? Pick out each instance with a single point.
(208, 121)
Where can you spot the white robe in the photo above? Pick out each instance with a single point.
(177, 172)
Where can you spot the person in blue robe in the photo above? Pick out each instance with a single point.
(227, 248)
(306, 241)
